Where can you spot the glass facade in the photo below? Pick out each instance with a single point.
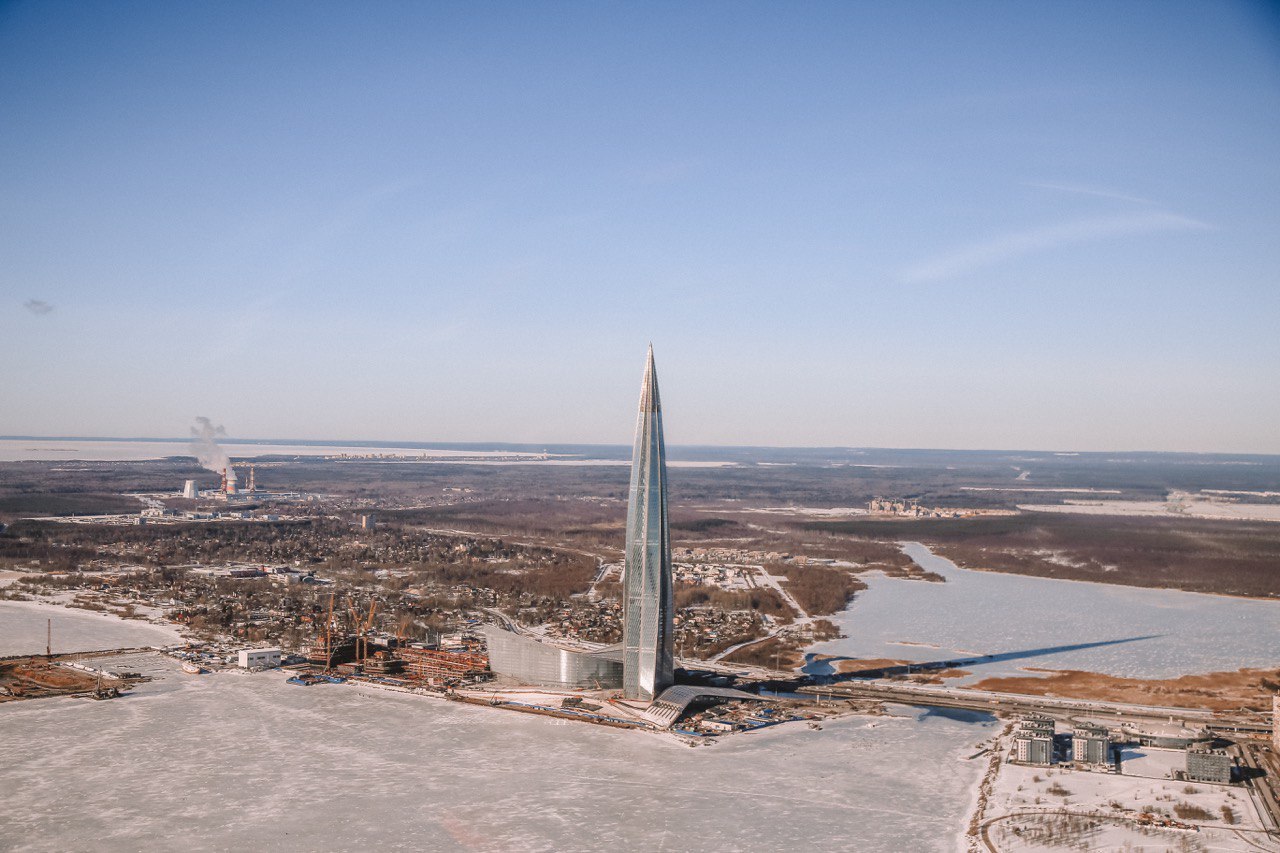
(647, 630)
(543, 664)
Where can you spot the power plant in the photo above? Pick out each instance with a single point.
(229, 487)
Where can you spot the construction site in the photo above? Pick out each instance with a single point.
(47, 675)
(347, 647)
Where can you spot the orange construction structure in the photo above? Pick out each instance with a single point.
(441, 664)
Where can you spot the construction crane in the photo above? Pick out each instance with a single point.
(362, 628)
(328, 636)
(368, 625)
(355, 625)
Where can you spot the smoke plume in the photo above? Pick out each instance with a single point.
(204, 446)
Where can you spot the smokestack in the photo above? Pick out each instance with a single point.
(252, 487)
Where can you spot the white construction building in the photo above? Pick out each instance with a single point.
(259, 658)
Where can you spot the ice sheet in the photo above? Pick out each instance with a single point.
(237, 761)
(1054, 624)
(23, 630)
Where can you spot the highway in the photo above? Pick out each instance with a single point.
(1020, 703)
(1263, 768)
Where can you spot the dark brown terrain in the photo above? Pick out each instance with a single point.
(531, 539)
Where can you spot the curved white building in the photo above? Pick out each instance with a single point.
(548, 665)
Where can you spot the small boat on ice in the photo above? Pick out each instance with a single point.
(193, 669)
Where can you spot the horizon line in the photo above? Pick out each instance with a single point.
(410, 443)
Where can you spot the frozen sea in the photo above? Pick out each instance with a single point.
(24, 627)
(237, 762)
(124, 450)
(1053, 624)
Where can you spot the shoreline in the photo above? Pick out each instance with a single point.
(1230, 595)
(1103, 584)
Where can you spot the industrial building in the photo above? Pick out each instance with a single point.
(1033, 742)
(648, 630)
(1090, 745)
(1205, 764)
(547, 665)
(259, 658)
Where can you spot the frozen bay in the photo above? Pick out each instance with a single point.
(24, 626)
(238, 761)
(1053, 624)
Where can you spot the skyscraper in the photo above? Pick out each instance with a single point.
(648, 663)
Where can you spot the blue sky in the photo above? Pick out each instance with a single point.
(1007, 225)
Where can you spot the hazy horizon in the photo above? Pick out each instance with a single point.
(566, 446)
(842, 225)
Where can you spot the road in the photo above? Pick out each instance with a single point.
(982, 700)
(773, 582)
(802, 620)
(1263, 761)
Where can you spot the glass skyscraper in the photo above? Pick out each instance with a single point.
(648, 662)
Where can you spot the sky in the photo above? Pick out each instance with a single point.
(957, 225)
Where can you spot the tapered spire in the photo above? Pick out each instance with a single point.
(649, 401)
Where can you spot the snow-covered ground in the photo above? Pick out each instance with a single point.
(24, 626)
(236, 761)
(1053, 624)
(1187, 508)
(1152, 762)
(816, 512)
(1025, 811)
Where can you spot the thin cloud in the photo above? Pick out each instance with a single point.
(37, 306)
(1099, 192)
(1017, 244)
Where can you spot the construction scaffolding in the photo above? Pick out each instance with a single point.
(438, 664)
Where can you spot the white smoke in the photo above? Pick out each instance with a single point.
(204, 446)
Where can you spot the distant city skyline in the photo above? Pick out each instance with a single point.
(979, 226)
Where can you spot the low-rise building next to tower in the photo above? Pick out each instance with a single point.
(532, 661)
